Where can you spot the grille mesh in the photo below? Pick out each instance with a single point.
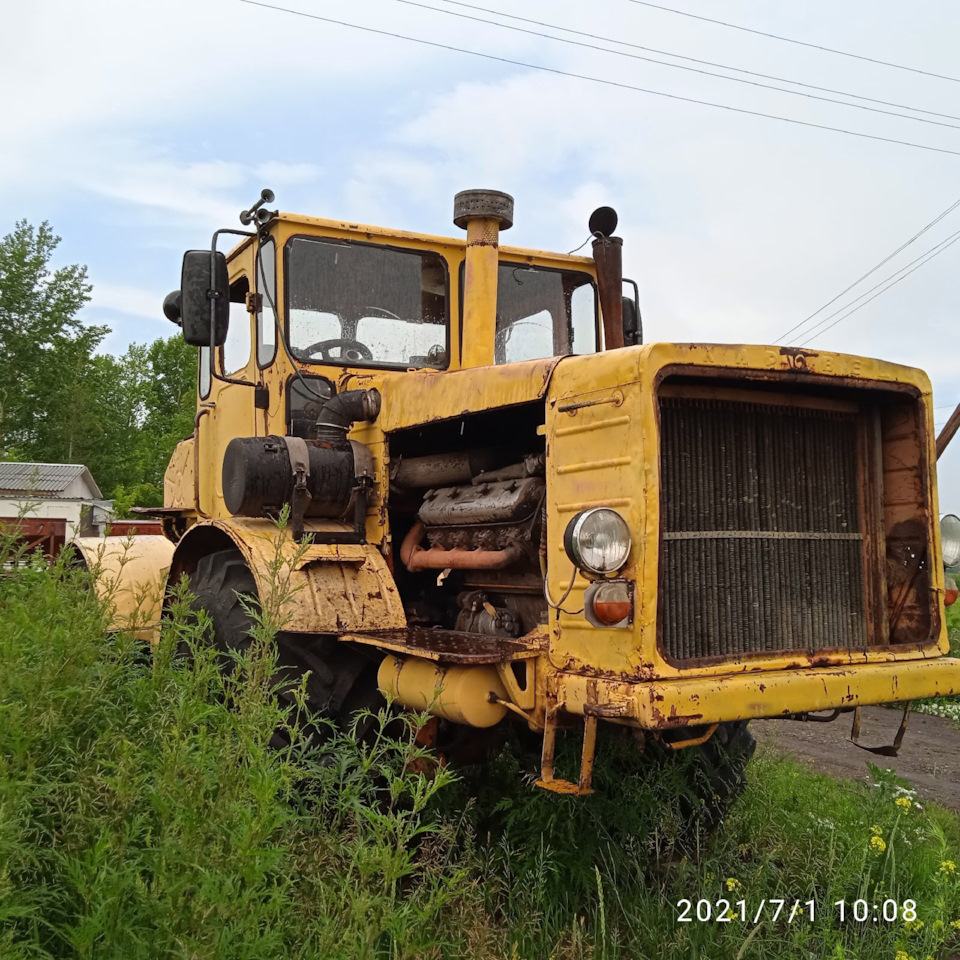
(761, 541)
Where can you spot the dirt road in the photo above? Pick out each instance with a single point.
(929, 757)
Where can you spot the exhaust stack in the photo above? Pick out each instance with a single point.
(483, 213)
(608, 256)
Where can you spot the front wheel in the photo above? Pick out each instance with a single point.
(341, 682)
(716, 772)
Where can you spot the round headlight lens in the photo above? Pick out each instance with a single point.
(950, 539)
(597, 540)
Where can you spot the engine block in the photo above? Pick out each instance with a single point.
(486, 516)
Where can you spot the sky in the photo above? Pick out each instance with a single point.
(137, 129)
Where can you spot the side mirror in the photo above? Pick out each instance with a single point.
(171, 307)
(204, 298)
(631, 322)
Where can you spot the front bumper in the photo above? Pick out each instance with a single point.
(663, 704)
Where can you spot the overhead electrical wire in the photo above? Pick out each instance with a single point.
(706, 63)
(818, 327)
(903, 246)
(608, 83)
(802, 43)
(944, 246)
(677, 66)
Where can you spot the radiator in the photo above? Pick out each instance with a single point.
(761, 541)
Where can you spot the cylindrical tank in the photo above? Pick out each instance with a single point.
(442, 469)
(258, 476)
(458, 694)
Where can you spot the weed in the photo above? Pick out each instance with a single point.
(144, 814)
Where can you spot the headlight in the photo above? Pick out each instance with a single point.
(950, 539)
(598, 540)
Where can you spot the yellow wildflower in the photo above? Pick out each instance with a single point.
(955, 924)
(904, 803)
(878, 844)
(947, 868)
(733, 884)
(902, 955)
(877, 830)
(913, 925)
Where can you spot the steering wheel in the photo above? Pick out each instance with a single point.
(325, 346)
(383, 311)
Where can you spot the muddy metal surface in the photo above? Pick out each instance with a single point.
(929, 758)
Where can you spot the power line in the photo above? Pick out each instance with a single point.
(815, 329)
(608, 83)
(680, 56)
(802, 43)
(886, 288)
(903, 246)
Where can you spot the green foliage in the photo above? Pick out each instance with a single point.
(144, 814)
(61, 402)
(43, 346)
(948, 707)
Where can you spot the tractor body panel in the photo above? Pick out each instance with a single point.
(781, 503)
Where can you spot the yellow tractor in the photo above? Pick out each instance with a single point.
(504, 507)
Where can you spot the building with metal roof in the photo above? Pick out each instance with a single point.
(65, 491)
(67, 480)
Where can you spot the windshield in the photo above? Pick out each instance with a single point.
(543, 313)
(365, 305)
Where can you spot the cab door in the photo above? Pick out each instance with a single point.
(226, 405)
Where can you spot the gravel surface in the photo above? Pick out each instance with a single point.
(929, 757)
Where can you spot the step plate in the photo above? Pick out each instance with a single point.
(449, 646)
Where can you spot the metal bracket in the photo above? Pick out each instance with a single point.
(299, 455)
(523, 697)
(890, 751)
(547, 779)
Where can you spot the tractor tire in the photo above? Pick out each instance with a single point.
(342, 682)
(717, 773)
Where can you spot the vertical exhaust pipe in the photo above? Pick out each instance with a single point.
(608, 256)
(483, 213)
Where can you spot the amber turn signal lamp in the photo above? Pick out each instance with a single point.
(608, 603)
(950, 591)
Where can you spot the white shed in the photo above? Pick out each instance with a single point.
(64, 491)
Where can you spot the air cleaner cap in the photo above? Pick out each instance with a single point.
(483, 204)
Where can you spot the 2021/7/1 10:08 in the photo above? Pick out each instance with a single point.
(859, 911)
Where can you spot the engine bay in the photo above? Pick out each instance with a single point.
(466, 509)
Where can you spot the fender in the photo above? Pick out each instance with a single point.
(335, 587)
(130, 575)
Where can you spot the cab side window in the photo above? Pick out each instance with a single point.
(266, 315)
(543, 312)
(235, 353)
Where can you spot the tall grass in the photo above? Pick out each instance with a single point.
(948, 707)
(143, 814)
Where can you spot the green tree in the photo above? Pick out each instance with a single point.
(160, 381)
(60, 402)
(171, 401)
(44, 347)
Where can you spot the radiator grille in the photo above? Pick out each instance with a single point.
(761, 541)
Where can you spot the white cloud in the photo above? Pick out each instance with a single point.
(167, 120)
(282, 174)
(129, 301)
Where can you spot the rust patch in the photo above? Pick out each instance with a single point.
(795, 358)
